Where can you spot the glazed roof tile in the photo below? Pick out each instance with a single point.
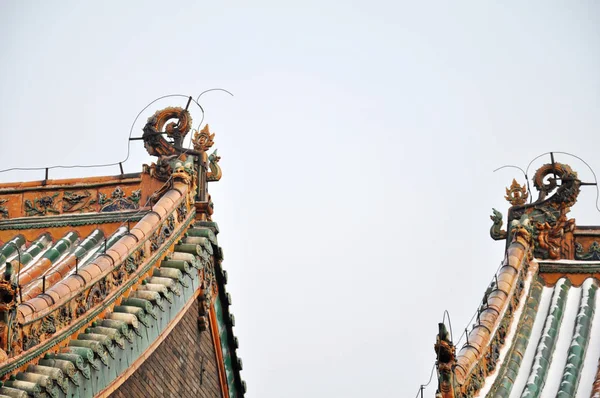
(96, 267)
(537, 330)
(58, 262)
(553, 350)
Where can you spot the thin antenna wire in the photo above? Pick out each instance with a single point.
(510, 165)
(213, 89)
(463, 334)
(524, 174)
(422, 386)
(107, 164)
(203, 114)
(446, 313)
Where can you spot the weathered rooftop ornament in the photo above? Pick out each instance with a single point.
(96, 273)
(203, 140)
(558, 188)
(446, 361)
(157, 126)
(516, 195)
(536, 332)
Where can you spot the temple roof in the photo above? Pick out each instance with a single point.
(551, 348)
(558, 351)
(94, 271)
(536, 331)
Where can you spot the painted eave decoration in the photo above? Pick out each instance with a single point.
(93, 270)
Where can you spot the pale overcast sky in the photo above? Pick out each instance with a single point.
(357, 152)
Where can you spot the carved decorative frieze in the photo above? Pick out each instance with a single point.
(41, 206)
(133, 262)
(592, 253)
(118, 201)
(48, 327)
(475, 382)
(80, 305)
(38, 332)
(92, 296)
(31, 339)
(209, 281)
(163, 233)
(96, 294)
(81, 201)
(64, 316)
(3, 209)
(15, 341)
(10, 342)
(118, 275)
(182, 212)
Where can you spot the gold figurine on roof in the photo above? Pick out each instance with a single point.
(516, 194)
(203, 139)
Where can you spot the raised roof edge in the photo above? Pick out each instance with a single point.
(464, 373)
(75, 220)
(70, 183)
(117, 257)
(106, 302)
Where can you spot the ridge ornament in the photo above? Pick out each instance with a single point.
(516, 194)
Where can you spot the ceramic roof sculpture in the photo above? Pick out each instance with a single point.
(536, 333)
(109, 285)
